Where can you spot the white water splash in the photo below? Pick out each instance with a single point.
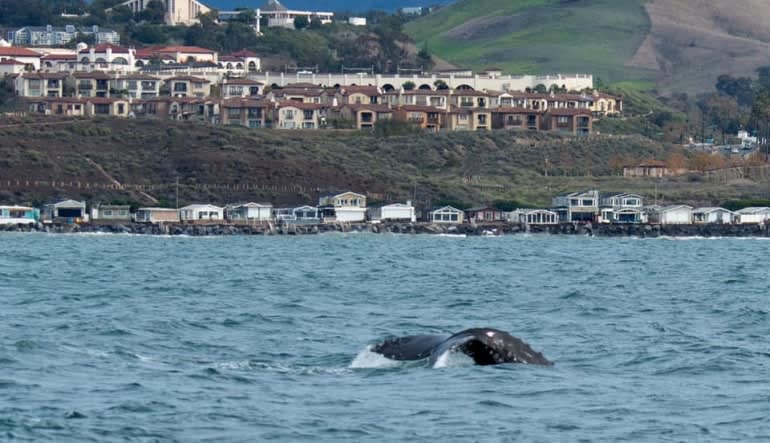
(368, 359)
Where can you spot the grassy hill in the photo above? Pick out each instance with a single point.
(539, 36)
(328, 5)
(41, 160)
(672, 45)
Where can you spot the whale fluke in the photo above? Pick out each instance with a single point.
(486, 346)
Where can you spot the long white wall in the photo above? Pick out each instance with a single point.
(478, 82)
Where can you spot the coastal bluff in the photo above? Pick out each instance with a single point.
(487, 229)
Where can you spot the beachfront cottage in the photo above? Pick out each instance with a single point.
(752, 215)
(344, 207)
(66, 211)
(621, 208)
(18, 215)
(484, 214)
(197, 213)
(670, 215)
(308, 215)
(393, 212)
(447, 214)
(249, 212)
(533, 217)
(156, 215)
(107, 213)
(577, 206)
(303, 215)
(720, 216)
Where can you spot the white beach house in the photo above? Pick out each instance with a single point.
(447, 214)
(752, 215)
(710, 215)
(670, 215)
(393, 212)
(201, 213)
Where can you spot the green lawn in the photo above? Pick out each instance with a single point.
(539, 36)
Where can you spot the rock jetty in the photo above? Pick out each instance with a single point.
(487, 229)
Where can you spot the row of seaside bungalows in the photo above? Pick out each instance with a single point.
(350, 207)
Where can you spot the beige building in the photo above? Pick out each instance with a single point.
(178, 12)
(296, 115)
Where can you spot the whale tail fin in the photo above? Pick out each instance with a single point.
(412, 347)
(491, 347)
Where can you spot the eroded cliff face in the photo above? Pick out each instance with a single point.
(691, 42)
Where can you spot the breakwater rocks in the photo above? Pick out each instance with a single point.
(486, 229)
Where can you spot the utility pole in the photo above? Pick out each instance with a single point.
(177, 192)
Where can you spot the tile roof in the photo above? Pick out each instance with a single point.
(17, 52)
(104, 47)
(188, 78)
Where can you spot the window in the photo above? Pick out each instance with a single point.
(236, 90)
(234, 112)
(574, 202)
(588, 202)
(308, 115)
(121, 109)
(562, 120)
(180, 87)
(437, 101)
(107, 213)
(288, 114)
(131, 85)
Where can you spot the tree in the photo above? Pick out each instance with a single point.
(408, 85)
(740, 88)
(676, 161)
(541, 89)
(121, 14)
(154, 12)
(247, 16)
(301, 22)
(763, 77)
(507, 205)
(440, 85)
(315, 23)
(424, 58)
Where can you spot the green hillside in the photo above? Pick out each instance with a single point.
(539, 36)
(46, 159)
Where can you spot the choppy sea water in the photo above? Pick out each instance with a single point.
(131, 338)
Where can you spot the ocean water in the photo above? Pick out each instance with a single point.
(237, 339)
